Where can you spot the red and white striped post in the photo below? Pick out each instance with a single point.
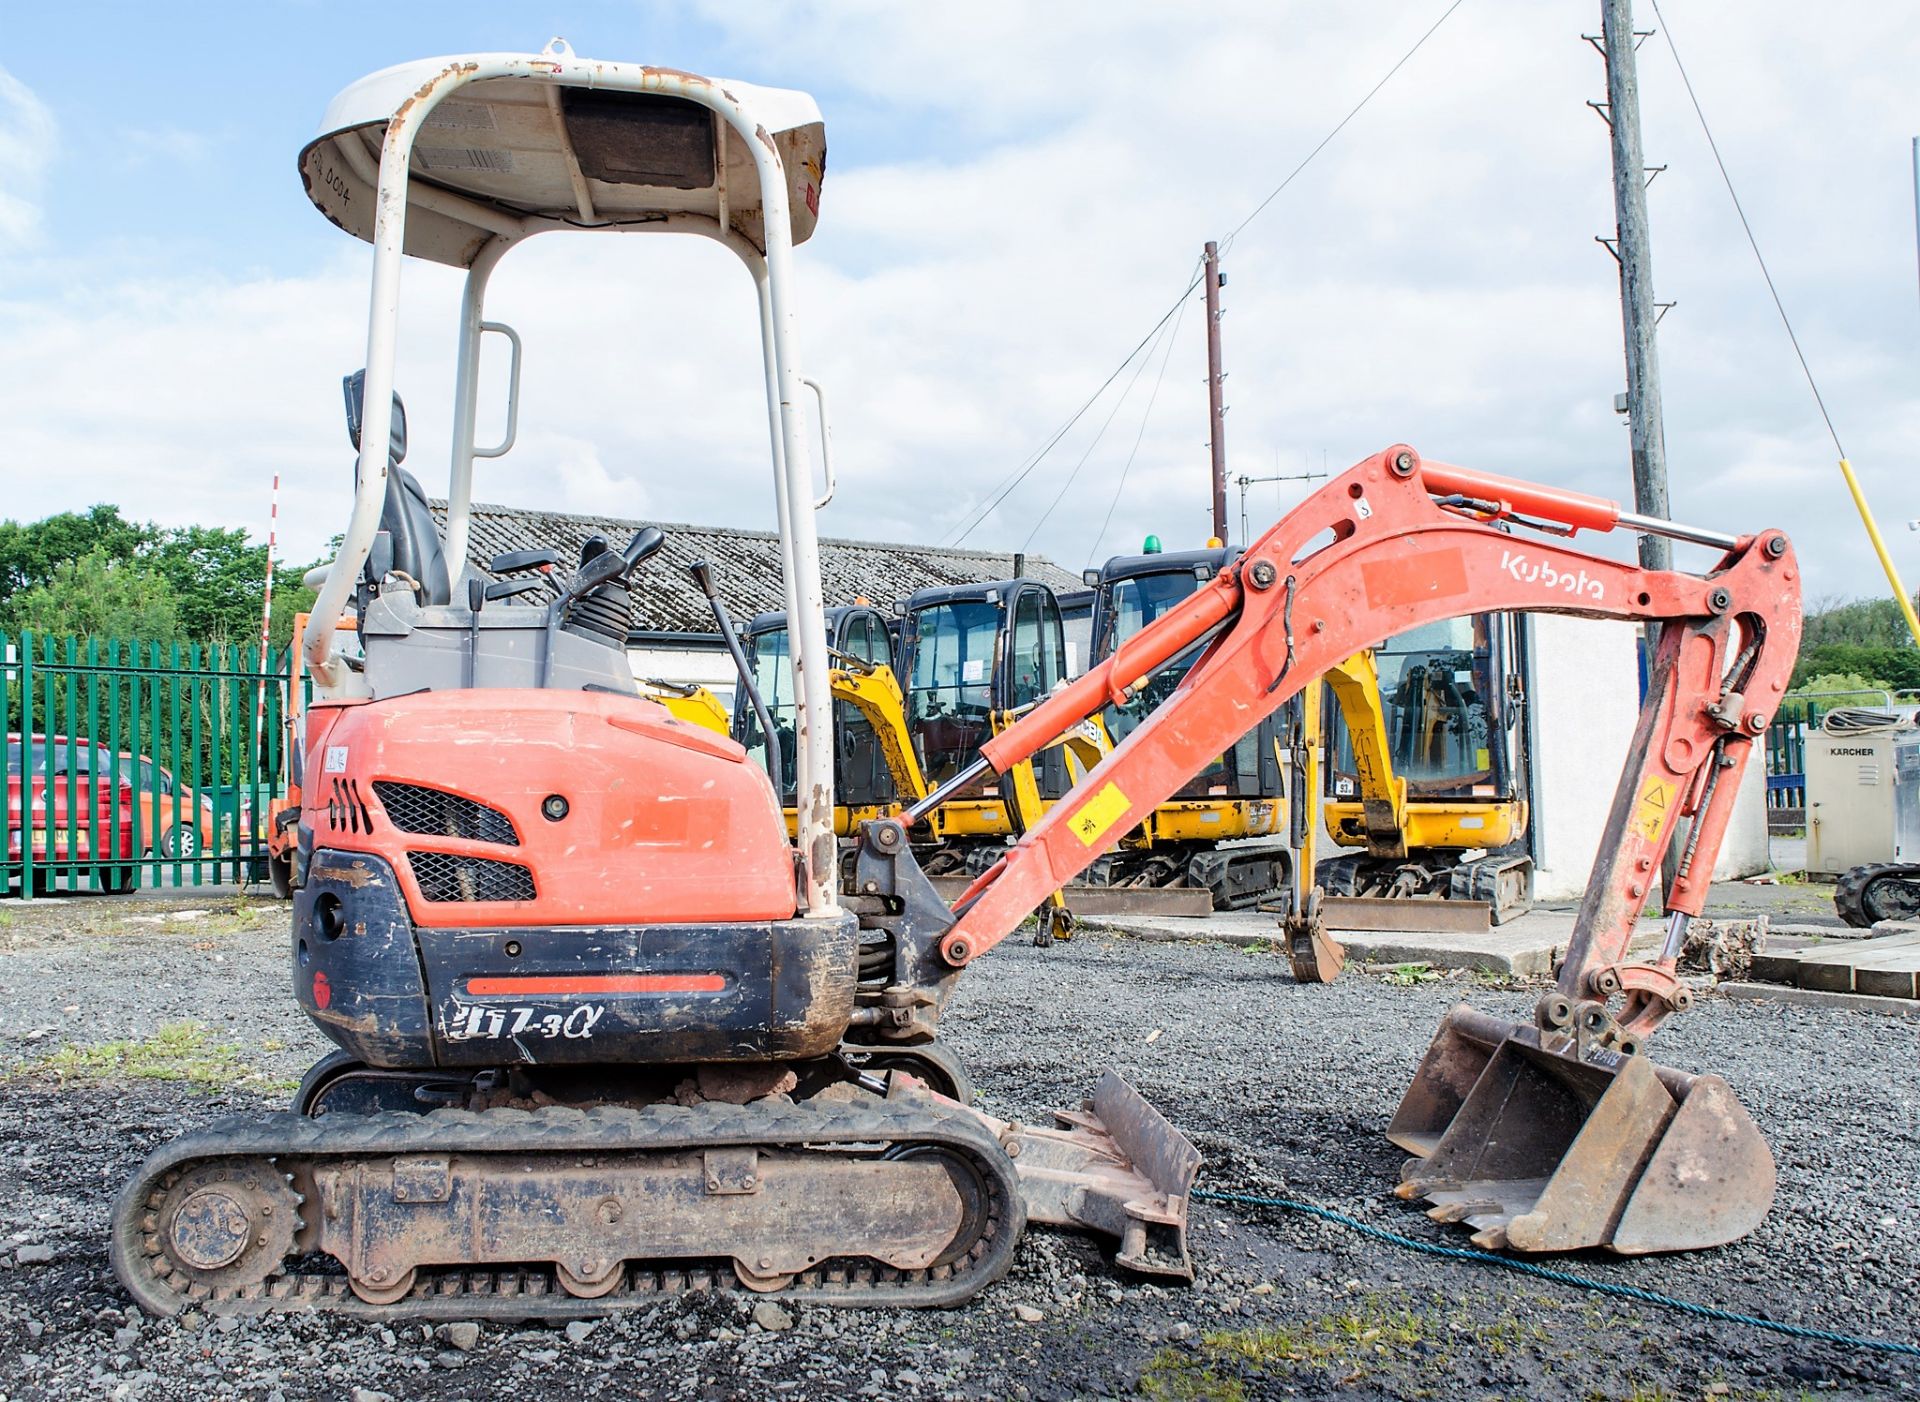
(266, 621)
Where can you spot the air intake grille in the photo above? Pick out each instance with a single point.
(445, 876)
(436, 813)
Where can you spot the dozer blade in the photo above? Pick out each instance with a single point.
(1116, 1167)
(1541, 1148)
(1394, 915)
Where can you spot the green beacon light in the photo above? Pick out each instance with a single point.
(1150, 546)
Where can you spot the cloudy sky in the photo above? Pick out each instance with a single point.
(1015, 196)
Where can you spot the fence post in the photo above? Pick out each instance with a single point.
(8, 654)
(26, 766)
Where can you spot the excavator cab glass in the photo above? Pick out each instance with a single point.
(1443, 693)
(969, 652)
(950, 686)
(860, 770)
(768, 656)
(1135, 591)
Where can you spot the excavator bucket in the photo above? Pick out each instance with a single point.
(1541, 1143)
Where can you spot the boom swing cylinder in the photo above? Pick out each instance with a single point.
(1549, 1136)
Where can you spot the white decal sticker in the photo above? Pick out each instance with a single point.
(974, 669)
(336, 759)
(1362, 507)
(1546, 576)
(470, 1021)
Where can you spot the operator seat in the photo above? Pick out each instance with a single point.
(404, 514)
(408, 522)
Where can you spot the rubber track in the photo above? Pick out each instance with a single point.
(1853, 894)
(531, 1291)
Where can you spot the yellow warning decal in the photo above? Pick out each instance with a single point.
(1098, 815)
(1651, 811)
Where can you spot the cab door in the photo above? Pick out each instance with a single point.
(1033, 662)
(862, 778)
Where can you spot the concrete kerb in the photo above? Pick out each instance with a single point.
(1792, 996)
(1528, 947)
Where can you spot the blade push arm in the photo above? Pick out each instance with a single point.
(1391, 544)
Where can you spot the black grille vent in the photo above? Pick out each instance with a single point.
(437, 813)
(347, 811)
(446, 876)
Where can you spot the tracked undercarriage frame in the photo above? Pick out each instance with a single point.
(896, 1198)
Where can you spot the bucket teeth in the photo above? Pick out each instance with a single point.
(1461, 1211)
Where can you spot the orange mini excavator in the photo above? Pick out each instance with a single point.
(606, 1031)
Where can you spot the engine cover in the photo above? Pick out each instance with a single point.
(500, 808)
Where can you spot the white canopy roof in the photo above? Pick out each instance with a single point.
(512, 154)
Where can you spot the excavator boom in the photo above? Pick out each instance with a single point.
(1391, 544)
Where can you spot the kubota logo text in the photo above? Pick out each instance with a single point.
(1575, 582)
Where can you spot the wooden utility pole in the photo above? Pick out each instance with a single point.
(1633, 249)
(1640, 314)
(1216, 411)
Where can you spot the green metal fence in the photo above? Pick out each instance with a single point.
(138, 763)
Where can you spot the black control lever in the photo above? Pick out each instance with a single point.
(512, 588)
(476, 599)
(516, 561)
(702, 574)
(645, 543)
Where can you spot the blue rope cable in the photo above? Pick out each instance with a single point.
(1625, 1292)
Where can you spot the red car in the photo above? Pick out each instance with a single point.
(72, 817)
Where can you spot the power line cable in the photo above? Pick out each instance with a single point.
(1061, 495)
(1666, 32)
(999, 494)
(1127, 466)
(1874, 538)
(1234, 233)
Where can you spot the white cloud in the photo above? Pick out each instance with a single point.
(28, 137)
(171, 146)
(1430, 278)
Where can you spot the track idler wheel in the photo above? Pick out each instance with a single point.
(973, 1190)
(761, 1283)
(222, 1228)
(384, 1291)
(592, 1280)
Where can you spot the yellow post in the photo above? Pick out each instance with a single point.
(1880, 549)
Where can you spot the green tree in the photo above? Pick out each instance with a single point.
(1896, 667)
(216, 579)
(99, 596)
(30, 553)
(1856, 622)
(290, 597)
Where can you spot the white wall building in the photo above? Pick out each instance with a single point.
(1586, 698)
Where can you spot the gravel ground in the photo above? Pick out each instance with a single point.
(1286, 1089)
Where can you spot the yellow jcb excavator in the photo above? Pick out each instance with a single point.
(1421, 771)
(1427, 772)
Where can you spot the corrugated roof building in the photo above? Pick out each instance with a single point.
(746, 563)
